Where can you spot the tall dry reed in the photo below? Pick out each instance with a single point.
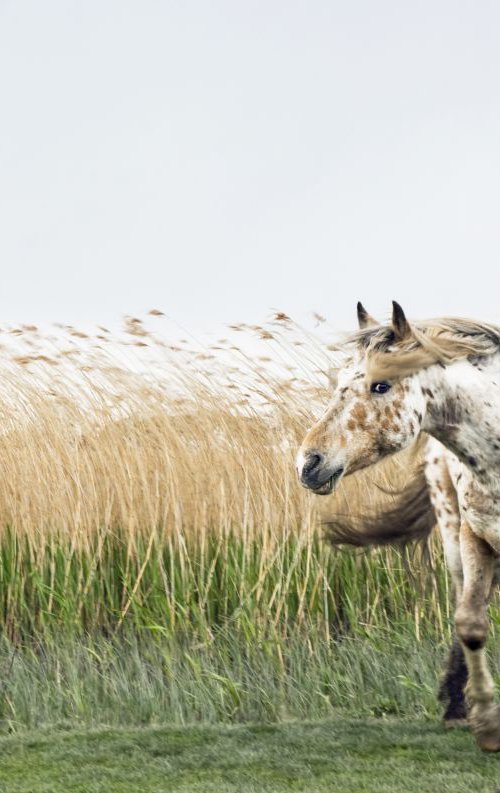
(180, 441)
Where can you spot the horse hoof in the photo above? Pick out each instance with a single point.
(489, 743)
(485, 723)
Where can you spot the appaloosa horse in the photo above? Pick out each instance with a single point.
(440, 377)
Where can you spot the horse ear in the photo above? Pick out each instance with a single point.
(364, 318)
(400, 324)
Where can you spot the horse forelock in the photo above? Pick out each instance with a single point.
(438, 341)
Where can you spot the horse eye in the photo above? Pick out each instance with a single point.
(380, 388)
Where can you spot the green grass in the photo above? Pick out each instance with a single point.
(344, 756)
(152, 679)
(197, 583)
(216, 631)
(224, 633)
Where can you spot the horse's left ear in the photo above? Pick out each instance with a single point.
(364, 318)
(400, 324)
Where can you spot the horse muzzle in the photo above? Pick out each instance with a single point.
(317, 475)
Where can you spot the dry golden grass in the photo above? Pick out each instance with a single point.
(180, 440)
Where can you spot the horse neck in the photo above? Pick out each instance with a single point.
(463, 410)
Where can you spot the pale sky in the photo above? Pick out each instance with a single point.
(220, 159)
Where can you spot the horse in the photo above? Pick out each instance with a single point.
(403, 381)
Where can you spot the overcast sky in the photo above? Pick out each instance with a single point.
(220, 159)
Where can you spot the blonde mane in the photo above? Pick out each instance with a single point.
(437, 341)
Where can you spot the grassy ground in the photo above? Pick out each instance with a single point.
(342, 755)
(160, 565)
(153, 680)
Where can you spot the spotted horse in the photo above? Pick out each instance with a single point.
(400, 383)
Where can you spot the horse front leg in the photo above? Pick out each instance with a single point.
(443, 495)
(471, 621)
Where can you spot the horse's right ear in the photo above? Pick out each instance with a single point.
(400, 324)
(364, 318)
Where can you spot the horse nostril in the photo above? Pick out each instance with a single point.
(311, 463)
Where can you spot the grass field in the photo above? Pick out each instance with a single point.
(144, 680)
(159, 560)
(345, 756)
(160, 566)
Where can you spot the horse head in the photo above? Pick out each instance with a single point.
(369, 417)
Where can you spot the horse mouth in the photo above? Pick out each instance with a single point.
(327, 487)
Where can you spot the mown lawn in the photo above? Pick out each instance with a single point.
(344, 756)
